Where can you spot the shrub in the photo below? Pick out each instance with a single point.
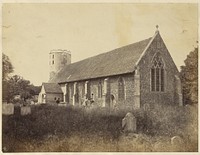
(165, 120)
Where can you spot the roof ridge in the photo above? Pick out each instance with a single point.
(114, 50)
(52, 87)
(117, 61)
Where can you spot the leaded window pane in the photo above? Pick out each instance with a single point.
(153, 79)
(157, 74)
(157, 79)
(162, 79)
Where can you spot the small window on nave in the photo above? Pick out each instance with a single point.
(100, 90)
(121, 90)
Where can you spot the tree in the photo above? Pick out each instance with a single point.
(189, 78)
(25, 95)
(34, 90)
(17, 85)
(7, 67)
(5, 91)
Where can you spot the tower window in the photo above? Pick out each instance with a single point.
(52, 56)
(53, 62)
(157, 74)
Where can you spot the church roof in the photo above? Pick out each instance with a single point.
(52, 88)
(119, 61)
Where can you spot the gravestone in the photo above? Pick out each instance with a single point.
(129, 123)
(8, 109)
(25, 110)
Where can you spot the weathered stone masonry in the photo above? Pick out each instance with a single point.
(170, 70)
(141, 73)
(109, 86)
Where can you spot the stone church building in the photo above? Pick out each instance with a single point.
(133, 75)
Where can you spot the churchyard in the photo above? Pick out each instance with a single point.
(67, 129)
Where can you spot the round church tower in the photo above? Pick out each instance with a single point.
(57, 60)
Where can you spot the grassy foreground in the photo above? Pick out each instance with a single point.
(67, 129)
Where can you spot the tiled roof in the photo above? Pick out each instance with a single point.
(119, 61)
(52, 88)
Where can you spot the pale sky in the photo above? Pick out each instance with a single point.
(30, 31)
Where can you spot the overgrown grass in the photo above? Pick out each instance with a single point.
(55, 128)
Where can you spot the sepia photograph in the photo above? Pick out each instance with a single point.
(99, 77)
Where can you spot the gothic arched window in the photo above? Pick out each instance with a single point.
(83, 90)
(72, 90)
(121, 92)
(157, 74)
(99, 90)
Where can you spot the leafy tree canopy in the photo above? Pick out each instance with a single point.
(7, 67)
(189, 78)
(16, 85)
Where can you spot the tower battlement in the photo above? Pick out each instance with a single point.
(59, 51)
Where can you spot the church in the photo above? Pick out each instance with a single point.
(133, 75)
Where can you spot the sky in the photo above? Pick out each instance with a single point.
(31, 30)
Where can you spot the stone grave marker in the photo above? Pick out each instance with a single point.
(8, 109)
(129, 123)
(25, 110)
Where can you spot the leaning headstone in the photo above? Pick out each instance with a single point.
(8, 109)
(25, 110)
(129, 123)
